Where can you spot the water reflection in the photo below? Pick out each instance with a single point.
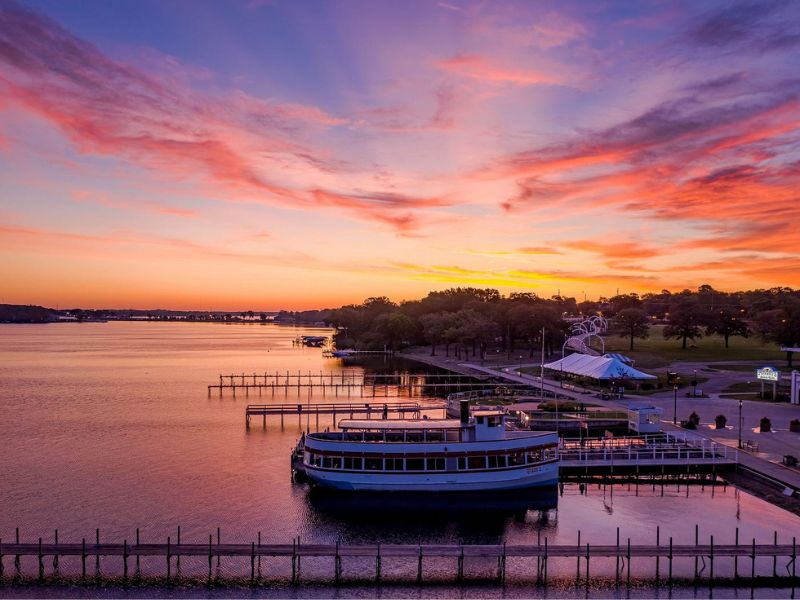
(478, 517)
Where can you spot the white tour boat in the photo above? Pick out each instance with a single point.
(473, 453)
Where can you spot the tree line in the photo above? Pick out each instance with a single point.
(473, 321)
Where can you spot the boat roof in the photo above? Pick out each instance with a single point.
(400, 424)
(488, 413)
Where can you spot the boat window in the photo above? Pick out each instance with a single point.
(462, 463)
(394, 464)
(352, 463)
(476, 462)
(353, 436)
(435, 436)
(479, 420)
(373, 436)
(436, 464)
(315, 460)
(495, 421)
(534, 456)
(331, 462)
(518, 458)
(414, 436)
(415, 464)
(394, 436)
(497, 462)
(373, 464)
(452, 435)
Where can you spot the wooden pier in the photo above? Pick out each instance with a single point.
(348, 383)
(380, 410)
(538, 555)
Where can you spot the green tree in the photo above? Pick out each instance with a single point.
(433, 327)
(726, 323)
(781, 326)
(395, 328)
(632, 323)
(684, 322)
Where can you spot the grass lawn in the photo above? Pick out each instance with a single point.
(739, 368)
(747, 390)
(655, 352)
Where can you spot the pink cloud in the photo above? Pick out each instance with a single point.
(235, 142)
(479, 67)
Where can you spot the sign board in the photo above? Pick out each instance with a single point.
(768, 374)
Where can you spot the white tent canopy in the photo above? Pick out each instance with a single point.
(597, 367)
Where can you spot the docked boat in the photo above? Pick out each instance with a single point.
(476, 452)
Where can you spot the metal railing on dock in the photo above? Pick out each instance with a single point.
(661, 451)
(541, 552)
(371, 410)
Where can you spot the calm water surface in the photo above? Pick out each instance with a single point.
(109, 425)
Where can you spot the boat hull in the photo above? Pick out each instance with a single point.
(539, 475)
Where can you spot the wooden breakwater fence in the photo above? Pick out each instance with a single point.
(354, 383)
(370, 410)
(539, 554)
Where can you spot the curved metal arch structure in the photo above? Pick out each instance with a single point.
(582, 334)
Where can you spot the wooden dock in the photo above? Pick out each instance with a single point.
(539, 554)
(353, 382)
(379, 410)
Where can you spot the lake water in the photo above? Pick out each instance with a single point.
(109, 425)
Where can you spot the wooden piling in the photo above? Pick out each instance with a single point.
(736, 558)
(169, 563)
(628, 561)
(97, 554)
(41, 562)
(670, 561)
(775, 558)
(711, 563)
(587, 564)
(419, 565)
(210, 557)
(55, 556)
(545, 561)
(658, 546)
(252, 560)
(125, 560)
(83, 558)
(294, 561)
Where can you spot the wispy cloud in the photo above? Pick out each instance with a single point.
(481, 68)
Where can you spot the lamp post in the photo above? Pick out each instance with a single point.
(740, 424)
(694, 385)
(675, 404)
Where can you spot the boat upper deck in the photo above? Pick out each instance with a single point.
(400, 424)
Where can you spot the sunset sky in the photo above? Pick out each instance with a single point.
(268, 154)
